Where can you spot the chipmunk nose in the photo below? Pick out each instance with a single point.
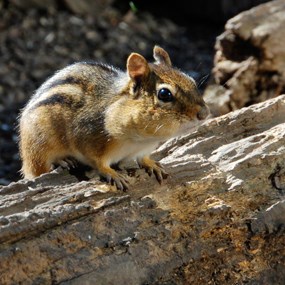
(203, 113)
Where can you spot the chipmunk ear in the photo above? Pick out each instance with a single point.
(137, 67)
(161, 56)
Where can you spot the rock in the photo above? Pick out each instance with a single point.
(211, 222)
(250, 58)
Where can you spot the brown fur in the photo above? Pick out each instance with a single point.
(101, 115)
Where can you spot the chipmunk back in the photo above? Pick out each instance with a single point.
(100, 115)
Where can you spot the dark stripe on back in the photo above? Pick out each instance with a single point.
(103, 66)
(67, 80)
(73, 80)
(54, 83)
(59, 99)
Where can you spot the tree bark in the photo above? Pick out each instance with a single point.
(218, 218)
(250, 59)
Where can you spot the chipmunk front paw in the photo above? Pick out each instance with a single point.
(153, 167)
(114, 178)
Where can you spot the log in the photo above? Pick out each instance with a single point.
(218, 218)
(249, 60)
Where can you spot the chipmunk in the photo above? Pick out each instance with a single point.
(100, 115)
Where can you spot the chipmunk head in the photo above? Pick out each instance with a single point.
(168, 95)
(161, 100)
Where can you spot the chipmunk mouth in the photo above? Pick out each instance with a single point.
(204, 113)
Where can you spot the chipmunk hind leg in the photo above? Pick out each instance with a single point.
(38, 155)
(42, 142)
(35, 161)
(39, 160)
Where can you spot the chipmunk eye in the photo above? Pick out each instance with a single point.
(165, 95)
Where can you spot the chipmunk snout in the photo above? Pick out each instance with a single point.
(203, 113)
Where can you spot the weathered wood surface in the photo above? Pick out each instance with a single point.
(250, 59)
(218, 219)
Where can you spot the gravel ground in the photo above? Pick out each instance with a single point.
(34, 44)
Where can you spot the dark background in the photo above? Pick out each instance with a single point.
(39, 37)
